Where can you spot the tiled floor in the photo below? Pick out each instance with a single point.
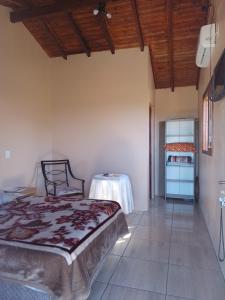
(168, 255)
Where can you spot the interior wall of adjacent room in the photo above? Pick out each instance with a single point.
(25, 125)
(182, 103)
(212, 168)
(101, 115)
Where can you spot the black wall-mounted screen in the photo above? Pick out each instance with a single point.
(218, 89)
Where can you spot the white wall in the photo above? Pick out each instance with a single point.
(101, 115)
(212, 168)
(25, 107)
(182, 103)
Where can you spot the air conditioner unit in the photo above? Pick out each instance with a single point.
(206, 43)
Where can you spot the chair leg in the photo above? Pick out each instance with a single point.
(83, 189)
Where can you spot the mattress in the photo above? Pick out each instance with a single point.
(57, 244)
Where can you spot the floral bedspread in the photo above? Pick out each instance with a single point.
(54, 224)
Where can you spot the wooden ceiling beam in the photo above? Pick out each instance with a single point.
(206, 5)
(138, 24)
(49, 30)
(79, 34)
(151, 62)
(170, 42)
(12, 3)
(102, 21)
(54, 37)
(59, 6)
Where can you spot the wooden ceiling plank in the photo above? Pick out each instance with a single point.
(59, 6)
(79, 34)
(101, 18)
(28, 3)
(170, 42)
(138, 24)
(54, 37)
(171, 57)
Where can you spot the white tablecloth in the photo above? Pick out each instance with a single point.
(115, 187)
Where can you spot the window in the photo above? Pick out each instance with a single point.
(207, 124)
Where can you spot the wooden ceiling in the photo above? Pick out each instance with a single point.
(170, 29)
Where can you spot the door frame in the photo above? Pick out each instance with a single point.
(150, 152)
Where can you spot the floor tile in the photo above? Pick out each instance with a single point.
(198, 238)
(139, 212)
(137, 268)
(186, 209)
(196, 284)
(193, 256)
(132, 229)
(120, 246)
(160, 202)
(156, 220)
(190, 223)
(148, 249)
(153, 233)
(108, 268)
(159, 211)
(196, 215)
(175, 298)
(141, 274)
(133, 219)
(164, 208)
(97, 290)
(114, 292)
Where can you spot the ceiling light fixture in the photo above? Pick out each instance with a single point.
(95, 12)
(101, 9)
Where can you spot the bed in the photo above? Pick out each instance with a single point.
(56, 245)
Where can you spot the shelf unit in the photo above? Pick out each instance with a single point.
(180, 177)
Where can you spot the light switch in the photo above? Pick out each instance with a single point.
(7, 154)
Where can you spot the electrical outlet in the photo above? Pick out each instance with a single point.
(7, 154)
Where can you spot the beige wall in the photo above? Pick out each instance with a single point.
(93, 110)
(212, 169)
(101, 107)
(24, 103)
(182, 103)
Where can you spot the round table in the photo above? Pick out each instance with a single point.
(115, 187)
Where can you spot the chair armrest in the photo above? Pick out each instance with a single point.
(76, 178)
(80, 179)
(71, 174)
